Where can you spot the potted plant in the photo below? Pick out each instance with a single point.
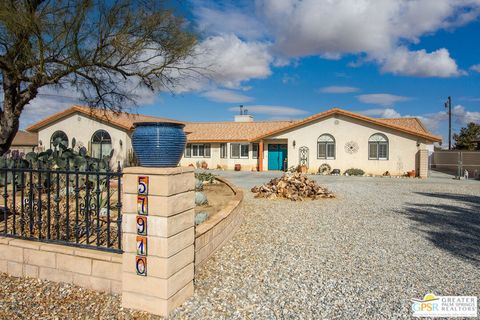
(159, 144)
(302, 169)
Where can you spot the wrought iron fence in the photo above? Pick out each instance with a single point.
(67, 206)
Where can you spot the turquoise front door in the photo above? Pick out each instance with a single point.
(277, 154)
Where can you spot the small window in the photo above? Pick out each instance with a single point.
(223, 150)
(239, 150)
(244, 150)
(101, 144)
(206, 152)
(61, 137)
(234, 150)
(378, 147)
(326, 147)
(188, 151)
(255, 150)
(198, 150)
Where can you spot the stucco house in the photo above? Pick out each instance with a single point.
(24, 142)
(337, 137)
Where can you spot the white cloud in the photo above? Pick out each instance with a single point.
(475, 67)
(52, 99)
(435, 122)
(45, 104)
(230, 20)
(331, 29)
(227, 61)
(278, 111)
(462, 116)
(383, 99)
(382, 113)
(226, 96)
(338, 89)
(420, 63)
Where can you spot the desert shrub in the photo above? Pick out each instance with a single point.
(205, 176)
(354, 172)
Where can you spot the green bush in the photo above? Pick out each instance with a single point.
(354, 172)
(204, 176)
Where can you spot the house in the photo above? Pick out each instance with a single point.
(98, 131)
(24, 142)
(339, 138)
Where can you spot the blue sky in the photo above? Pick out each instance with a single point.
(286, 59)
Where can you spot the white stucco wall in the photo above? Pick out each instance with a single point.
(402, 147)
(82, 128)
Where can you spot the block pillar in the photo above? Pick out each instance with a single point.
(422, 163)
(158, 238)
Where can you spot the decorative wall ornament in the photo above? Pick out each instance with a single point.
(351, 147)
(303, 154)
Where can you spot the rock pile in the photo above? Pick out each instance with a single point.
(295, 186)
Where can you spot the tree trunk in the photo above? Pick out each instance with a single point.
(9, 123)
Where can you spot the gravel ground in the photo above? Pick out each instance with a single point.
(363, 255)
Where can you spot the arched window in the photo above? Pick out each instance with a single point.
(378, 147)
(59, 136)
(326, 147)
(101, 144)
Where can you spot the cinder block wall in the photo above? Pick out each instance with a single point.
(87, 268)
(213, 233)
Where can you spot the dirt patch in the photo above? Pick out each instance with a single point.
(218, 195)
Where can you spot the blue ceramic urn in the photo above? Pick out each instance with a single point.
(159, 144)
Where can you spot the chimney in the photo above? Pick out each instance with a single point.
(243, 116)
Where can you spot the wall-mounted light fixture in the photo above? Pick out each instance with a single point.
(294, 143)
(121, 143)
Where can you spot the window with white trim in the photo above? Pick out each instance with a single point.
(100, 144)
(239, 150)
(254, 150)
(326, 147)
(197, 150)
(58, 137)
(223, 150)
(378, 147)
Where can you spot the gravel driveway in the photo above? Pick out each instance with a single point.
(363, 255)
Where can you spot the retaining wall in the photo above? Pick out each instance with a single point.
(106, 271)
(213, 233)
(91, 269)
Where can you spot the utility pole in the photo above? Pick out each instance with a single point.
(448, 104)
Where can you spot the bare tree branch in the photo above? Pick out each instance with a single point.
(98, 47)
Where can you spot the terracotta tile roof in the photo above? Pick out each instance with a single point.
(412, 126)
(123, 120)
(237, 131)
(231, 131)
(23, 138)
